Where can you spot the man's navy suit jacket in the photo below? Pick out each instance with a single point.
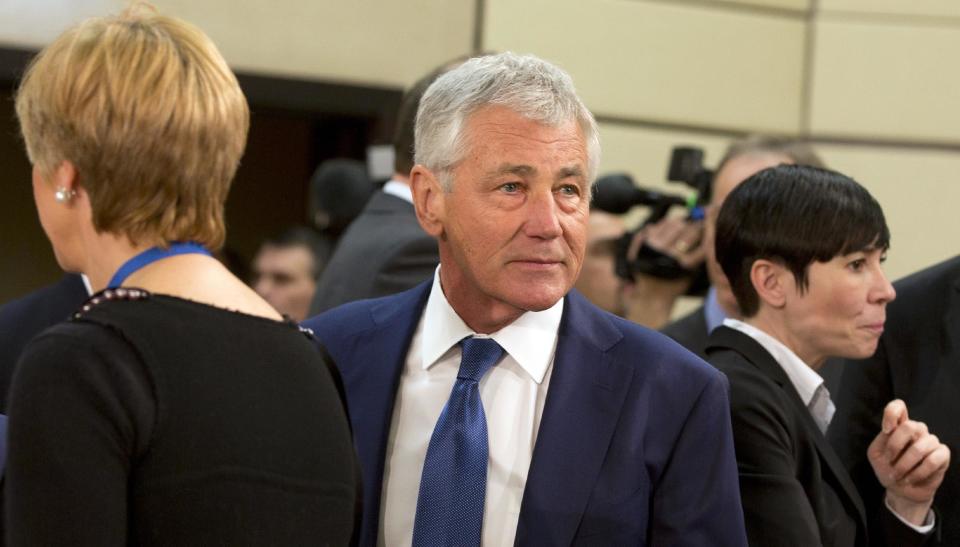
(634, 446)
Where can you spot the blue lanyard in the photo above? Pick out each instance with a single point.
(152, 255)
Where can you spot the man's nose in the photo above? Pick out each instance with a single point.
(542, 214)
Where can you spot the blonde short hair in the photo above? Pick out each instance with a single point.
(150, 114)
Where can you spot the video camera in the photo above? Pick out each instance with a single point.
(617, 194)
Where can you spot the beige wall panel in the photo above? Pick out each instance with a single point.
(682, 63)
(889, 81)
(380, 42)
(918, 190)
(936, 8)
(798, 5)
(34, 23)
(645, 153)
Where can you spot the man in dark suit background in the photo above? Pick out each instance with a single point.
(802, 248)
(384, 250)
(918, 360)
(585, 428)
(25, 317)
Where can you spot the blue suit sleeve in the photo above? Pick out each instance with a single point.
(697, 499)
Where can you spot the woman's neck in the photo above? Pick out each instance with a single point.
(105, 253)
(773, 324)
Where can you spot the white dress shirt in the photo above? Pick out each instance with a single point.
(86, 284)
(806, 381)
(513, 393)
(399, 189)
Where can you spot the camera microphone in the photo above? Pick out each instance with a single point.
(617, 194)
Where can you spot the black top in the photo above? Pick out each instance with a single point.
(152, 420)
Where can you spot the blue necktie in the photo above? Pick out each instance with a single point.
(454, 480)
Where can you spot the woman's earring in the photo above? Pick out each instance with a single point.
(62, 195)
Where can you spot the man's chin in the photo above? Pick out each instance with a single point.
(537, 300)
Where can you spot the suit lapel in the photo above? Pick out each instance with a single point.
(378, 357)
(585, 396)
(759, 357)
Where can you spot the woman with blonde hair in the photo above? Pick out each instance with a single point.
(176, 407)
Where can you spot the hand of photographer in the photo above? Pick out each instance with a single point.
(677, 238)
(650, 299)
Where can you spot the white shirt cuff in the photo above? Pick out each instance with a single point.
(924, 528)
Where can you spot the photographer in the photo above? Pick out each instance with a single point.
(649, 268)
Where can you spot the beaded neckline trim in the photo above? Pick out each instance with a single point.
(111, 294)
(122, 293)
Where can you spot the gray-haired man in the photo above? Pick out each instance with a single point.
(494, 405)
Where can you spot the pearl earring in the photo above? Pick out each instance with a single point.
(62, 195)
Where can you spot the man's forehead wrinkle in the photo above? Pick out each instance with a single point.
(515, 169)
(511, 129)
(528, 170)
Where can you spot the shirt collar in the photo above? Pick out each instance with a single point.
(804, 379)
(531, 339)
(712, 311)
(86, 284)
(399, 189)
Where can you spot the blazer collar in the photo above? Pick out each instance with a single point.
(726, 337)
(587, 391)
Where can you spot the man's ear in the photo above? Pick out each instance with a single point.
(770, 281)
(429, 200)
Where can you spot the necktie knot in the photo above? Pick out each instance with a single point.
(479, 354)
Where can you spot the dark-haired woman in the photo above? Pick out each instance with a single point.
(803, 248)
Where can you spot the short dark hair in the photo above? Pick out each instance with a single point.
(799, 152)
(794, 215)
(301, 236)
(339, 190)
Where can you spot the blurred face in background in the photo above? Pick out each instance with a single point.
(284, 277)
(732, 174)
(598, 282)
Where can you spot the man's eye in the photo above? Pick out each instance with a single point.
(510, 187)
(569, 190)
